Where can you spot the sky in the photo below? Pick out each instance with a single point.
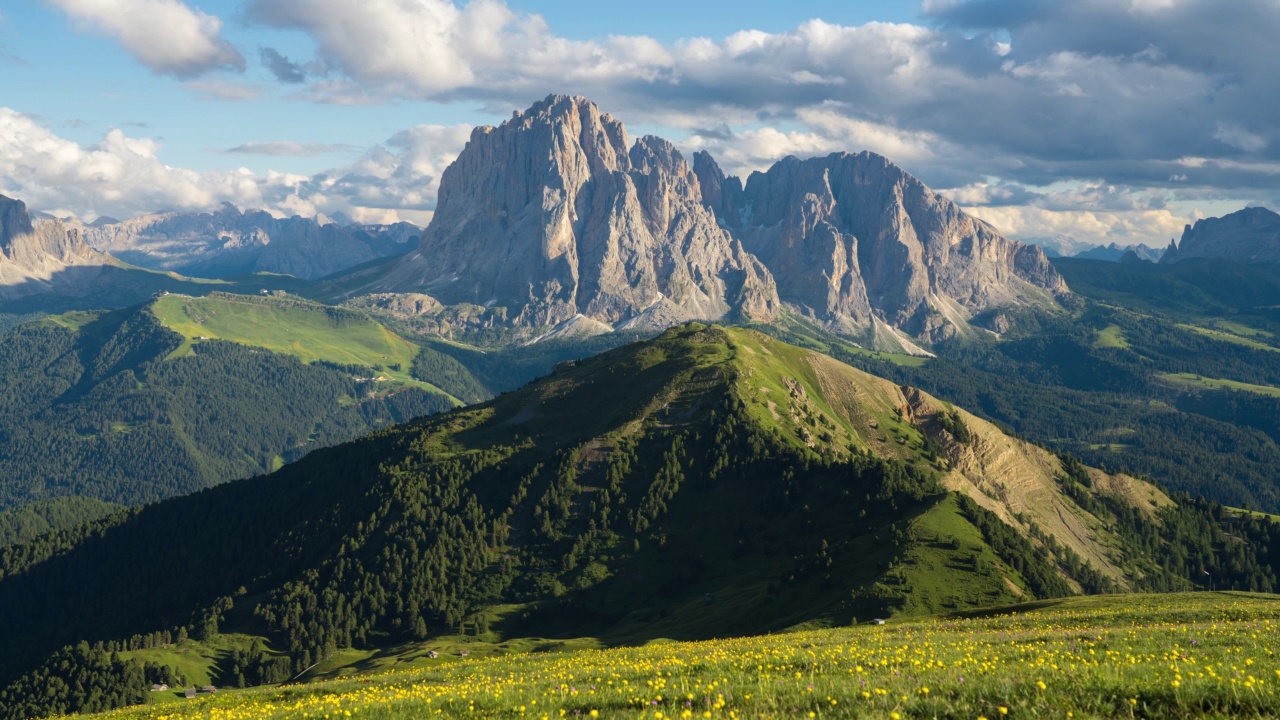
(1096, 121)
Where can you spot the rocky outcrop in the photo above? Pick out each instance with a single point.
(854, 241)
(46, 256)
(1251, 235)
(229, 242)
(554, 214)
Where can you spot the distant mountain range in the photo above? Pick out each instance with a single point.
(1063, 246)
(231, 242)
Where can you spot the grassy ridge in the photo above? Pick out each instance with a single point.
(309, 332)
(1189, 655)
(1192, 380)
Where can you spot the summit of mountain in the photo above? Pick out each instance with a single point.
(555, 213)
(855, 241)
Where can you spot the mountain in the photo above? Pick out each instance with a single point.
(230, 242)
(711, 482)
(1061, 245)
(859, 244)
(138, 405)
(553, 217)
(1116, 253)
(43, 257)
(1251, 235)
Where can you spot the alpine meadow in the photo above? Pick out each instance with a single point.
(893, 360)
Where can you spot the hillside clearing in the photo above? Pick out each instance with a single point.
(312, 333)
(1196, 381)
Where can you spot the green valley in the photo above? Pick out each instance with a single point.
(709, 483)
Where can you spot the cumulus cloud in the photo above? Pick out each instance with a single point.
(1149, 227)
(166, 35)
(123, 176)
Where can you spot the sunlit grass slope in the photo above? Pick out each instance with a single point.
(290, 326)
(1190, 655)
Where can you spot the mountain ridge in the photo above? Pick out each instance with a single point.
(1251, 235)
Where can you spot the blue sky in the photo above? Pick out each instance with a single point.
(1099, 120)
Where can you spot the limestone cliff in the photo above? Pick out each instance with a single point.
(854, 241)
(47, 256)
(554, 214)
(1251, 235)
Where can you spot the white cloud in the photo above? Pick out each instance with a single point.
(123, 176)
(288, 148)
(1150, 227)
(166, 35)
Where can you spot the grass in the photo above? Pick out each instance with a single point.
(73, 321)
(1231, 337)
(197, 660)
(1196, 381)
(1202, 655)
(1111, 336)
(1254, 513)
(307, 331)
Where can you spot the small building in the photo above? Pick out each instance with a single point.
(433, 654)
(189, 693)
(877, 621)
(209, 689)
(464, 653)
(159, 688)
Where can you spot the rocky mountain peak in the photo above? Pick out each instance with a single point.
(860, 245)
(1251, 235)
(34, 257)
(552, 215)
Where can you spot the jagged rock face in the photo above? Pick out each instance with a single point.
(853, 239)
(228, 242)
(1251, 235)
(552, 215)
(41, 257)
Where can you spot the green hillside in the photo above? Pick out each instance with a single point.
(1173, 656)
(305, 330)
(102, 405)
(710, 483)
